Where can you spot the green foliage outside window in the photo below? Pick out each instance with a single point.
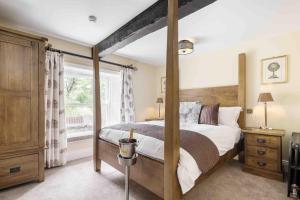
(78, 95)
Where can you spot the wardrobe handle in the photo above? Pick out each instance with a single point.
(14, 170)
(261, 164)
(261, 141)
(261, 152)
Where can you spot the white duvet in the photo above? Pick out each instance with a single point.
(224, 137)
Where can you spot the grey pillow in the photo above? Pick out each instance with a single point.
(189, 112)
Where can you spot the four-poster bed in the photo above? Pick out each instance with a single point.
(149, 172)
(160, 177)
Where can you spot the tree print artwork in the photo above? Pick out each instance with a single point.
(273, 67)
(274, 70)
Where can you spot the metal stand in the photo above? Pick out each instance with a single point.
(294, 167)
(127, 162)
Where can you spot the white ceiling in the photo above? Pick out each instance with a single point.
(219, 25)
(69, 18)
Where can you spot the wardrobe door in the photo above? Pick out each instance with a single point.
(18, 93)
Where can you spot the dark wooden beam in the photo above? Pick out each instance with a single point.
(152, 19)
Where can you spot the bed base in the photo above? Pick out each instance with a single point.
(149, 172)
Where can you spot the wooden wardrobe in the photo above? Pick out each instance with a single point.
(22, 59)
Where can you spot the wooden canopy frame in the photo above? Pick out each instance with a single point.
(227, 96)
(172, 189)
(149, 172)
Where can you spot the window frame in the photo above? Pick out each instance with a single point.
(109, 72)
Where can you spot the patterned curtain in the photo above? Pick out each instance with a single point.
(127, 105)
(55, 135)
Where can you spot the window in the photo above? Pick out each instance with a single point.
(79, 100)
(110, 97)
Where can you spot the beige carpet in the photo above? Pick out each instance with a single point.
(78, 181)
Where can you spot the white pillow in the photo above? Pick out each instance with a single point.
(189, 112)
(229, 116)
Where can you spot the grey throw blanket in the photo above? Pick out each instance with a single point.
(201, 148)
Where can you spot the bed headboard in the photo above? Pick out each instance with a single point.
(233, 95)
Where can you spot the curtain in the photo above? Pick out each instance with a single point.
(55, 134)
(127, 105)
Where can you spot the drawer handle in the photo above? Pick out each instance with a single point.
(261, 164)
(261, 141)
(261, 152)
(14, 170)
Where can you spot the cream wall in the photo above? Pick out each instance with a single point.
(74, 48)
(220, 68)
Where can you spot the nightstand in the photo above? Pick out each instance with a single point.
(263, 152)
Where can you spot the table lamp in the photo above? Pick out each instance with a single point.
(159, 101)
(265, 97)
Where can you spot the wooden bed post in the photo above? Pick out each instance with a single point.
(97, 108)
(171, 145)
(242, 88)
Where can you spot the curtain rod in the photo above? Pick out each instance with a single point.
(49, 48)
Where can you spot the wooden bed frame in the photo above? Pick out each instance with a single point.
(149, 172)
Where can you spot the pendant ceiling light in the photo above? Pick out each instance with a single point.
(185, 47)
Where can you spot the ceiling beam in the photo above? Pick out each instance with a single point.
(150, 20)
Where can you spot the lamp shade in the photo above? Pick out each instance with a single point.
(265, 97)
(159, 100)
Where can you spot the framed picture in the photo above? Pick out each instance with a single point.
(274, 70)
(163, 84)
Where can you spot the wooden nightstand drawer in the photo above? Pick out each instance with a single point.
(263, 152)
(263, 140)
(18, 170)
(262, 163)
